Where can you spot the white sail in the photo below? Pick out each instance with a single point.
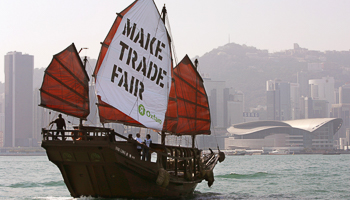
(135, 74)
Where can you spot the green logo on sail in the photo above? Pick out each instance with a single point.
(142, 111)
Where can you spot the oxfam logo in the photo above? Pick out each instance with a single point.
(142, 110)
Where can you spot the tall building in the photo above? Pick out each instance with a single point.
(315, 108)
(215, 92)
(278, 100)
(303, 81)
(18, 99)
(41, 118)
(342, 110)
(323, 89)
(233, 106)
(226, 104)
(294, 100)
(344, 94)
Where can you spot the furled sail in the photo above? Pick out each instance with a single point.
(133, 71)
(192, 101)
(65, 87)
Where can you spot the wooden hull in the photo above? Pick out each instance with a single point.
(111, 169)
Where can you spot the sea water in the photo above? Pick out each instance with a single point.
(238, 177)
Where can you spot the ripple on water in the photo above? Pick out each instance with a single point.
(243, 176)
(29, 184)
(246, 177)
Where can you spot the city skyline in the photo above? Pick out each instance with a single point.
(227, 104)
(41, 30)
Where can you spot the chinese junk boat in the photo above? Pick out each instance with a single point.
(136, 85)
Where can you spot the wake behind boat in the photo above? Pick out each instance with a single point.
(136, 85)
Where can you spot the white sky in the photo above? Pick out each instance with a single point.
(43, 28)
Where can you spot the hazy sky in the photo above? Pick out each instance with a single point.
(43, 28)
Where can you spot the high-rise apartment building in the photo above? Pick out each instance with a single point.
(294, 100)
(18, 99)
(215, 92)
(233, 107)
(226, 104)
(342, 110)
(278, 100)
(323, 89)
(344, 94)
(303, 81)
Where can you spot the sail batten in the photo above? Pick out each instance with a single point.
(65, 86)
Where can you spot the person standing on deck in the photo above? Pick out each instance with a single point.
(139, 140)
(146, 155)
(60, 124)
(130, 138)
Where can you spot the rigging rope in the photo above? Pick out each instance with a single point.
(172, 39)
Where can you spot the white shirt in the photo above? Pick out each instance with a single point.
(148, 142)
(139, 140)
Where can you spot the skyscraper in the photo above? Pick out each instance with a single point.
(233, 107)
(294, 100)
(215, 92)
(323, 89)
(18, 99)
(278, 100)
(303, 81)
(344, 94)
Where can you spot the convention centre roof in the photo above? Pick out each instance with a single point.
(308, 125)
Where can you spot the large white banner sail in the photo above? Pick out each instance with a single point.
(135, 74)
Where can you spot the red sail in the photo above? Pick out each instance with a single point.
(192, 101)
(65, 87)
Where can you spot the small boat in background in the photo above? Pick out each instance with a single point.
(279, 152)
(239, 152)
(331, 153)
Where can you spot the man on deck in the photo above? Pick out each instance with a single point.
(60, 124)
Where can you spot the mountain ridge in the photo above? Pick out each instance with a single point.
(247, 68)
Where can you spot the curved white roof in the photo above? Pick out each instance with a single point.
(309, 125)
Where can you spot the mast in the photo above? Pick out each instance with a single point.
(194, 136)
(163, 19)
(85, 61)
(163, 14)
(193, 141)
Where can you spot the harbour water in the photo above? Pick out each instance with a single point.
(238, 177)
